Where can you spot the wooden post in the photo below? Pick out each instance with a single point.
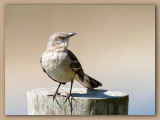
(84, 102)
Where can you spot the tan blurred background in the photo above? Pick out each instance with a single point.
(114, 43)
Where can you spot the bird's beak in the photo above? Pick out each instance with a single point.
(71, 34)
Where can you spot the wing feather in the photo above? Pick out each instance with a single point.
(76, 66)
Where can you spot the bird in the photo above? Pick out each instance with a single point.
(62, 66)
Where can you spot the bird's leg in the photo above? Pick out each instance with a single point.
(70, 94)
(56, 93)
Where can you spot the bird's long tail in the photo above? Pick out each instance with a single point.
(88, 82)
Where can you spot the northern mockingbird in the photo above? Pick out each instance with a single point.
(61, 65)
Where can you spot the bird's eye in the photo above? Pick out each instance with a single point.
(58, 38)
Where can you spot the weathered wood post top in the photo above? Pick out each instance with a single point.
(84, 102)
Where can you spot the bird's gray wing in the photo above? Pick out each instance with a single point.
(76, 66)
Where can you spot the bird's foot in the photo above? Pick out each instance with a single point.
(54, 95)
(67, 97)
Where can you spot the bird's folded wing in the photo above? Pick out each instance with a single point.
(76, 66)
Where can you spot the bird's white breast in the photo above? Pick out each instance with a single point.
(57, 66)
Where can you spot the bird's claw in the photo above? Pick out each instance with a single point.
(54, 96)
(67, 97)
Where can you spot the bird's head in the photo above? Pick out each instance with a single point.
(59, 40)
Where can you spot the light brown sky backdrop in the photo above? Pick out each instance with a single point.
(114, 43)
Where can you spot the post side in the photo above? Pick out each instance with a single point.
(83, 102)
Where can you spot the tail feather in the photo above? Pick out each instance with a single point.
(88, 82)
